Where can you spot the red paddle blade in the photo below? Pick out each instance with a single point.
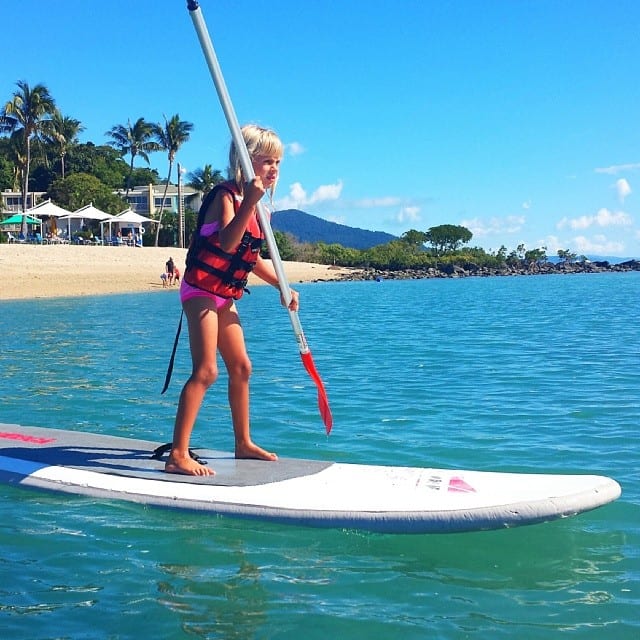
(323, 401)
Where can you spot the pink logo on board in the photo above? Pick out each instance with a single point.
(460, 486)
(21, 437)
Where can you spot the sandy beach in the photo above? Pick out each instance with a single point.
(49, 271)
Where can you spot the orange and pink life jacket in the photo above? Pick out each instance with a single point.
(212, 269)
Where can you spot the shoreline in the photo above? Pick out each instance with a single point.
(63, 271)
(60, 271)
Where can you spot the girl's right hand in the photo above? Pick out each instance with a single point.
(254, 191)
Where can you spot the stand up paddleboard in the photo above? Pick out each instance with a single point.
(301, 492)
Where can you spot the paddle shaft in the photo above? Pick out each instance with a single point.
(247, 166)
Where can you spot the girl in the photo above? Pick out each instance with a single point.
(225, 247)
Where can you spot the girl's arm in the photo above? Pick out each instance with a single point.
(232, 225)
(265, 271)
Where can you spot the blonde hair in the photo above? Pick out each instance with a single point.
(260, 142)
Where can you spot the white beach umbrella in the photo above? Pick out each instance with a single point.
(130, 217)
(48, 209)
(88, 212)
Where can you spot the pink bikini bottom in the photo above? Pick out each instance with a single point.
(187, 292)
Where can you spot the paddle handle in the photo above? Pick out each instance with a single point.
(245, 161)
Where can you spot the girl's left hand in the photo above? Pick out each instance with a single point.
(294, 304)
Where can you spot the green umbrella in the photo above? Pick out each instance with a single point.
(17, 219)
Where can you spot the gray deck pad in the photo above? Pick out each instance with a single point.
(132, 458)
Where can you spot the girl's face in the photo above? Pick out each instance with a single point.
(267, 168)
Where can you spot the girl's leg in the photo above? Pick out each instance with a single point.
(234, 353)
(203, 336)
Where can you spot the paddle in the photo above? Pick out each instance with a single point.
(247, 168)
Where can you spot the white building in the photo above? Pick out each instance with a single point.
(145, 200)
(12, 200)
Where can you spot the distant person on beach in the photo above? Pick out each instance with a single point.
(163, 277)
(228, 237)
(176, 275)
(170, 267)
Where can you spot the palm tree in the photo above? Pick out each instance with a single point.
(61, 133)
(205, 179)
(17, 155)
(26, 112)
(135, 140)
(170, 138)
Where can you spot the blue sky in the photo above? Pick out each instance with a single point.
(518, 119)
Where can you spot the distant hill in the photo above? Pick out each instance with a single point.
(307, 228)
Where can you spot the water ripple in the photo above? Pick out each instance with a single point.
(515, 374)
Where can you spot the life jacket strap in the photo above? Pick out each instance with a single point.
(167, 379)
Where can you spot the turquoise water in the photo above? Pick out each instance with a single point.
(534, 374)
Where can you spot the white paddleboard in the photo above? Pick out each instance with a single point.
(302, 492)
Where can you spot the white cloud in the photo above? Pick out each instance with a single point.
(598, 245)
(298, 197)
(617, 168)
(552, 243)
(577, 223)
(480, 227)
(371, 203)
(604, 218)
(526, 205)
(408, 214)
(622, 188)
(326, 192)
(294, 148)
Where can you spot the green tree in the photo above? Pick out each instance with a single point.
(135, 140)
(26, 112)
(6, 173)
(501, 255)
(170, 138)
(61, 133)
(144, 175)
(536, 255)
(80, 189)
(15, 154)
(566, 256)
(205, 179)
(447, 237)
(513, 259)
(103, 162)
(331, 253)
(285, 244)
(414, 238)
(392, 255)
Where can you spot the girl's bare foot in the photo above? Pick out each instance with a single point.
(250, 451)
(186, 466)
